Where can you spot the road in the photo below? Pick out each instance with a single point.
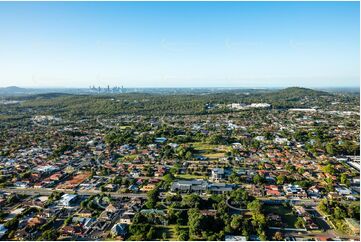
(307, 202)
(44, 191)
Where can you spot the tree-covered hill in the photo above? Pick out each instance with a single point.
(294, 97)
(163, 104)
(298, 92)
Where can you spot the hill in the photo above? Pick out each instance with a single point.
(12, 90)
(170, 104)
(294, 94)
(302, 92)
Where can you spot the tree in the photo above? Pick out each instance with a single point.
(255, 206)
(259, 219)
(68, 220)
(194, 222)
(278, 236)
(188, 155)
(301, 136)
(323, 205)
(262, 234)
(216, 139)
(301, 170)
(258, 179)
(139, 218)
(280, 179)
(222, 209)
(236, 223)
(329, 186)
(151, 234)
(152, 198)
(289, 167)
(339, 213)
(164, 236)
(240, 195)
(299, 223)
(168, 178)
(344, 180)
(50, 234)
(140, 232)
(150, 171)
(183, 235)
(330, 149)
(329, 168)
(12, 224)
(192, 201)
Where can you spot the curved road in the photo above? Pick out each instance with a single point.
(232, 207)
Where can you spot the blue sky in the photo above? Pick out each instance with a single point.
(179, 44)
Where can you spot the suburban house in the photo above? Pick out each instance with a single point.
(217, 174)
(119, 230)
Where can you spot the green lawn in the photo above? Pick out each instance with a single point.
(286, 214)
(125, 126)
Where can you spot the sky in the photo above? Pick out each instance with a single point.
(179, 44)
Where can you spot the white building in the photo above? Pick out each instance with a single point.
(302, 110)
(343, 191)
(67, 199)
(47, 168)
(260, 105)
(260, 138)
(279, 140)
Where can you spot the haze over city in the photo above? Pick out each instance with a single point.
(179, 44)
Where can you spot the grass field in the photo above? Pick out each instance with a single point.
(130, 157)
(212, 152)
(200, 146)
(208, 148)
(214, 155)
(189, 176)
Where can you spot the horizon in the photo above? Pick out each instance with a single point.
(187, 87)
(180, 44)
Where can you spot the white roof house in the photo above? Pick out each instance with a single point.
(66, 199)
(343, 190)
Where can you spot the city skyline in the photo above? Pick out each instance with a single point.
(180, 44)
